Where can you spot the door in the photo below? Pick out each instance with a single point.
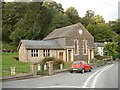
(90, 54)
(69, 55)
(86, 66)
(61, 55)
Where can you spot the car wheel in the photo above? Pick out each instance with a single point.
(83, 71)
(71, 71)
(90, 70)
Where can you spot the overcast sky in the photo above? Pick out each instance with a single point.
(106, 8)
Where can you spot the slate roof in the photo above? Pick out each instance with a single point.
(62, 32)
(99, 44)
(37, 44)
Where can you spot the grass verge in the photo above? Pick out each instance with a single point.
(8, 61)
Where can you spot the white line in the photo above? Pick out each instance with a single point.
(96, 77)
(86, 82)
(64, 87)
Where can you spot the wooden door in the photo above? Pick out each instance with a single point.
(69, 55)
(90, 54)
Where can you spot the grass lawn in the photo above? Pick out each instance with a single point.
(67, 65)
(3, 74)
(8, 61)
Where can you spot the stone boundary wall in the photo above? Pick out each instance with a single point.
(17, 77)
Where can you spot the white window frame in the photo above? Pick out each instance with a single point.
(34, 53)
(46, 52)
(85, 46)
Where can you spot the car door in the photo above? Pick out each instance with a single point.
(87, 66)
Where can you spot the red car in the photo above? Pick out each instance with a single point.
(80, 66)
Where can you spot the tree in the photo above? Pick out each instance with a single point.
(89, 13)
(115, 25)
(40, 19)
(101, 32)
(12, 12)
(87, 20)
(98, 19)
(111, 49)
(59, 20)
(54, 5)
(72, 14)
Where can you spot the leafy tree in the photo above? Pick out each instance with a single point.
(17, 35)
(39, 20)
(12, 12)
(101, 32)
(111, 49)
(98, 19)
(72, 14)
(89, 13)
(91, 18)
(87, 20)
(115, 25)
(59, 20)
(54, 5)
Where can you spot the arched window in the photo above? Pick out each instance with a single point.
(84, 47)
(76, 47)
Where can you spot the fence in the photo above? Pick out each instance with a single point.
(99, 63)
(44, 70)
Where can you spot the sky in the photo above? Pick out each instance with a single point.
(106, 8)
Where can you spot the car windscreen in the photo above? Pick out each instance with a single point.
(77, 63)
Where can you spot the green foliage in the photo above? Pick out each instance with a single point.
(67, 65)
(48, 59)
(101, 32)
(43, 62)
(8, 46)
(56, 63)
(39, 20)
(54, 5)
(35, 20)
(89, 13)
(115, 25)
(8, 61)
(111, 49)
(17, 35)
(98, 19)
(59, 20)
(11, 14)
(72, 14)
(87, 20)
(99, 57)
(42, 73)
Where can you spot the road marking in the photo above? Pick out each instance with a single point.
(96, 77)
(64, 87)
(88, 79)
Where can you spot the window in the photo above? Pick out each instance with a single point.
(76, 47)
(85, 47)
(34, 53)
(77, 63)
(46, 52)
(61, 55)
(85, 63)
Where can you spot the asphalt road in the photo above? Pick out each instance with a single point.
(101, 77)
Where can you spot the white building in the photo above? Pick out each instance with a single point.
(99, 48)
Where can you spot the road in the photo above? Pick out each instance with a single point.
(101, 77)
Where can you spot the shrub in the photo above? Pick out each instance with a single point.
(43, 62)
(56, 63)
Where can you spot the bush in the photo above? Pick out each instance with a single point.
(48, 59)
(43, 62)
(56, 63)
